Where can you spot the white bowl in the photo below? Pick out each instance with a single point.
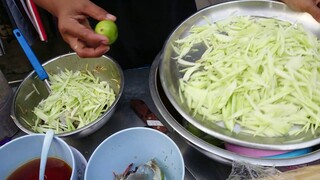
(21, 150)
(135, 145)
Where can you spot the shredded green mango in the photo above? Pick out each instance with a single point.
(76, 99)
(261, 74)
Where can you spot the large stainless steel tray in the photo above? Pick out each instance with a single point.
(169, 71)
(219, 154)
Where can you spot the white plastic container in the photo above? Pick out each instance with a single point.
(23, 149)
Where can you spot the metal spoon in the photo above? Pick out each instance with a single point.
(43, 76)
(44, 152)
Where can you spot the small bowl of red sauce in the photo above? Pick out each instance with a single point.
(21, 159)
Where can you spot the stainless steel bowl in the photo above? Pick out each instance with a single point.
(169, 70)
(23, 109)
(217, 153)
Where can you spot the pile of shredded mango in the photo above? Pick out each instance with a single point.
(261, 74)
(76, 99)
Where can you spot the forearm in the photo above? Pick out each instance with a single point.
(74, 8)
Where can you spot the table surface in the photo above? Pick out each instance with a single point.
(198, 166)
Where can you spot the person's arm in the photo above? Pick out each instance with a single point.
(310, 6)
(74, 26)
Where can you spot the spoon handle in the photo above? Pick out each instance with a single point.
(44, 152)
(31, 56)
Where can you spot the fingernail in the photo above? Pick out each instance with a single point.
(108, 48)
(104, 42)
(111, 17)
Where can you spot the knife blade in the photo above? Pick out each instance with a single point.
(147, 116)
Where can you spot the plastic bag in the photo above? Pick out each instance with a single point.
(246, 171)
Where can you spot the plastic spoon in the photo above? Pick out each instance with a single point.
(44, 152)
(43, 76)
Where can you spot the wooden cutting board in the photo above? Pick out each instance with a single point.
(311, 172)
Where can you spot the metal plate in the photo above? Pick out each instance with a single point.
(219, 154)
(169, 72)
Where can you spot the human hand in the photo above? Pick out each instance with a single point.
(74, 26)
(310, 6)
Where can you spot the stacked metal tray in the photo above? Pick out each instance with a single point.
(169, 71)
(163, 87)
